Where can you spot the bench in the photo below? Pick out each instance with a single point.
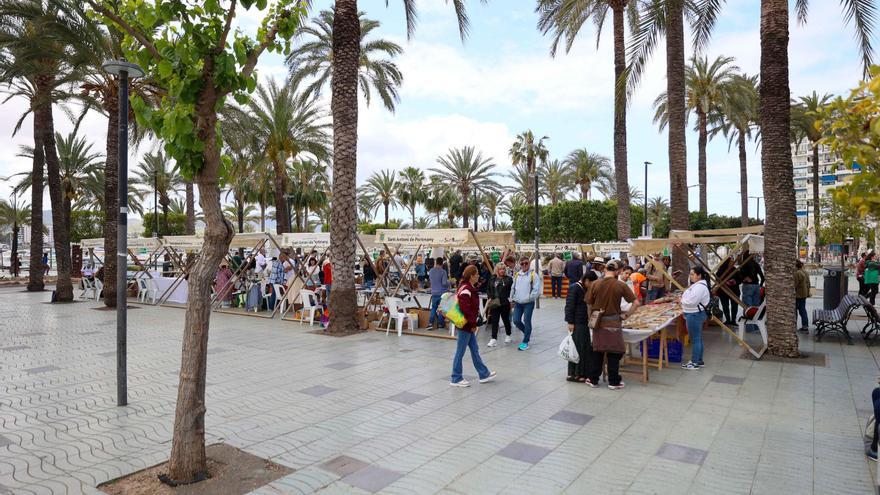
(873, 325)
(835, 320)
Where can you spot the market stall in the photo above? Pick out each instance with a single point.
(244, 277)
(183, 250)
(302, 244)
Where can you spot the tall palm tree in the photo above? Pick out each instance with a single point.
(465, 169)
(737, 120)
(556, 179)
(510, 204)
(411, 189)
(381, 189)
(438, 195)
(290, 124)
(528, 151)
(589, 168)
(706, 84)
(781, 222)
(91, 194)
(657, 208)
(492, 203)
(804, 117)
(13, 215)
(308, 190)
(249, 216)
(565, 19)
(156, 175)
(344, 105)
(521, 179)
(313, 60)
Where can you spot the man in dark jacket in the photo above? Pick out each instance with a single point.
(456, 265)
(574, 269)
(752, 279)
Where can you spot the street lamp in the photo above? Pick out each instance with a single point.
(124, 71)
(535, 178)
(645, 233)
(757, 206)
(155, 202)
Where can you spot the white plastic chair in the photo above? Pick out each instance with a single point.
(89, 285)
(142, 289)
(280, 290)
(151, 290)
(308, 298)
(759, 319)
(397, 313)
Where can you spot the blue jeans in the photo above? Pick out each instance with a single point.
(801, 305)
(556, 286)
(467, 340)
(751, 295)
(695, 331)
(522, 319)
(435, 303)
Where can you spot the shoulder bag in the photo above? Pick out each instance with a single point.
(608, 336)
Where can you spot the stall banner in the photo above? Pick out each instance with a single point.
(548, 248)
(611, 247)
(306, 240)
(184, 242)
(424, 237)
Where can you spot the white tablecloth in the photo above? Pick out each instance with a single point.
(634, 336)
(180, 292)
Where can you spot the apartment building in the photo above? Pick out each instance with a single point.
(832, 174)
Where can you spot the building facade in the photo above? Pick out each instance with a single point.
(832, 174)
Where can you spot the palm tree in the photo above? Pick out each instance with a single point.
(527, 151)
(309, 187)
(313, 60)
(346, 65)
(565, 19)
(289, 124)
(423, 223)
(91, 194)
(657, 208)
(521, 182)
(491, 203)
(381, 189)
(411, 189)
(556, 179)
(781, 222)
(439, 194)
(13, 215)
(706, 85)
(465, 169)
(249, 216)
(510, 204)
(737, 119)
(804, 117)
(156, 174)
(588, 169)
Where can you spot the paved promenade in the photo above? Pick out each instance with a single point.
(375, 414)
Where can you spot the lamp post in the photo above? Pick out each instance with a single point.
(537, 234)
(155, 203)
(757, 206)
(124, 71)
(14, 241)
(645, 233)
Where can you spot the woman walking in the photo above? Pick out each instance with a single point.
(693, 304)
(499, 302)
(577, 315)
(872, 276)
(469, 302)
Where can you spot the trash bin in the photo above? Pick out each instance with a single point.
(831, 287)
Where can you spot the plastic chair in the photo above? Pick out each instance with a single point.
(397, 313)
(308, 298)
(754, 316)
(279, 296)
(142, 289)
(89, 285)
(152, 290)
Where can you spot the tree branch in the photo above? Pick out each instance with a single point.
(227, 27)
(251, 63)
(125, 26)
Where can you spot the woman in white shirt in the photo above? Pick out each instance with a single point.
(693, 304)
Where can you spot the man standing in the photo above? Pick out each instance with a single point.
(456, 264)
(526, 288)
(606, 295)
(656, 281)
(557, 272)
(753, 279)
(261, 260)
(281, 269)
(802, 292)
(439, 280)
(574, 269)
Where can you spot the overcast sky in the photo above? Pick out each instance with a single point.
(502, 81)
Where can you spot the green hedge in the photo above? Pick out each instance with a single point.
(371, 228)
(702, 221)
(574, 221)
(176, 224)
(86, 225)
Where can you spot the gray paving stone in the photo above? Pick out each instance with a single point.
(14, 348)
(343, 465)
(524, 452)
(4, 441)
(572, 417)
(680, 453)
(340, 365)
(217, 350)
(731, 380)
(317, 390)
(407, 398)
(33, 334)
(93, 332)
(372, 478)
(41, 369)
(108, 354)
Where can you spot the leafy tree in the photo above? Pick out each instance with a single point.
(192, 52)
(86, 225)
(587, 169)
(381, 190)
(174, 223)
(466, 169)
(528, 151)
(574, 221)
(371, 228)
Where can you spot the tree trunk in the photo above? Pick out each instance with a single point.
(37, 270)
(621, 172)
(60, 230)
(702, 141)
(585, 191)
(262, 217)
(239, 211)
(344, 107)
(675, 90)
(190, 209)
(530, 186)
(164, 201)
(743, 178)
(466, 206)
(188, 462)
(299, 222)
(111, 200)
(386, 213)
(817, 208)
(413, 214)
(282, 222)
(14, 252)
(780, 250)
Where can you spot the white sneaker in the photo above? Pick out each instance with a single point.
(489, 378)
(507, 339)
(492, 343)
(463, 383)
(617, 387)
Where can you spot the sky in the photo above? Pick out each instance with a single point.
(502, 81)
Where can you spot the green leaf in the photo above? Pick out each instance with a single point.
(261, 4)
(241, 98)
(165, 69)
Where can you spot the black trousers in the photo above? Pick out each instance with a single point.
(556, 286)
(728, 305)
(595, 367)
(503, 313)
(862, 286)
(871, 292)
(581, 337)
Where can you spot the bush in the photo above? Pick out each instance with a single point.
(371, 228)
(176, 224)
(86, 224)
(701, 221)
(574, 221)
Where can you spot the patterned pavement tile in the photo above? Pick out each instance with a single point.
(731, 380)
(41, 369)
(680, 453)
(340, 366)
(14, 348)
(317, 390)
(572, 417)
(407, 398)
(343, 465)
(524, 452)
(372, 478)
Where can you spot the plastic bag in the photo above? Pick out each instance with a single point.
(450, 310)
(568, 351)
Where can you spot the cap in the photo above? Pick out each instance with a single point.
(597, 259)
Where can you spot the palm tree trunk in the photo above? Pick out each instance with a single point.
(262, 216)
(621, 173)
(344, 106)
(743, 178)
(111, 199)
(35, 274)
(675, 89)
(702, 141)
(60, 230)
(190, 209)
(282, 222)
(413, 214)
(14, 252)
(239, 212)
(386, 213)
(165, 201)
(585, 191)
(780, 250)
(530, 186)
(816, 206)
(465, 205)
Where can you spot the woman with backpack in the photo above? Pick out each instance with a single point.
(693, 303)
(469, 303)
(577, 315)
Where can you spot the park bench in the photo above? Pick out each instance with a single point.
(835, 320)
(873, 325)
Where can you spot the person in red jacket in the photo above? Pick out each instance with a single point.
(469, 302)
(328, 276)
